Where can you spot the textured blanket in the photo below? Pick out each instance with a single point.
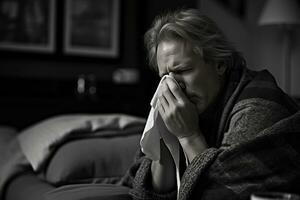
(256, 148)
(268, 162)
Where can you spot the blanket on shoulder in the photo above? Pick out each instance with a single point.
(268, 162)
(257, 146)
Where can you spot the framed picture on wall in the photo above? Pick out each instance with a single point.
(27, 25)
(92, 27)
(237, 7)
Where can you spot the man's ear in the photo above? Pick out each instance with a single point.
(221, 69)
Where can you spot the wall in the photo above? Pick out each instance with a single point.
(135, 17)
(262, 46)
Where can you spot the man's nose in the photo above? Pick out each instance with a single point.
(178, 79)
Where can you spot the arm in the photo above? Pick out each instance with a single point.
(181, 118)
(163, 171)
(139, 178)
(193, 145)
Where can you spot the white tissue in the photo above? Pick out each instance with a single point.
(156, 129)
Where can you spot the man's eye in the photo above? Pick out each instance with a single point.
(184, 70)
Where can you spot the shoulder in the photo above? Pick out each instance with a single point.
(256, 104)
(262, 85)
(250, 116)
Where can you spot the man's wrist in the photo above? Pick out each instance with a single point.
(188, 138)
(193, 145)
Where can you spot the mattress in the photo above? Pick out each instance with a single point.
(29, 187)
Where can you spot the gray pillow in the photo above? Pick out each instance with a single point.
(38, 140)
(7, 133)
(100, 160)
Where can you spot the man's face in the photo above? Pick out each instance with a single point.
(201, 80)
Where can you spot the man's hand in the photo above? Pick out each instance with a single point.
(178, 112)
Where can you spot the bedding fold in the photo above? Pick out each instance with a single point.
(32, 148)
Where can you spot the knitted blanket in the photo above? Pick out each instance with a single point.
(258, 148)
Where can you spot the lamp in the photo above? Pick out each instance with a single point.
(285, 13)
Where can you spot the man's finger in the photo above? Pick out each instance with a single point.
(175, 90)
(167, 94)
(161, 109)
(163, 102)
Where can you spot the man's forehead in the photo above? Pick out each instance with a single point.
(173, 46)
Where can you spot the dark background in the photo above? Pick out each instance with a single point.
(34, 86)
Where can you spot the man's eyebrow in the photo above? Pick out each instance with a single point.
(181, 65)
(176, 66)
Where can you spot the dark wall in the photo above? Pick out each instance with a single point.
(59, 65)
(36, 85)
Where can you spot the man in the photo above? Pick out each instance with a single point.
(223, 115)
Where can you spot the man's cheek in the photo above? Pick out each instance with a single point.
(201, 106)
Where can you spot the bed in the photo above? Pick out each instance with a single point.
(76, 156)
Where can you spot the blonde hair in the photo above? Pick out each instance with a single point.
(190, 25)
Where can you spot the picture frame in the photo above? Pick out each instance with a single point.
(27, 25)
(237, 7)
(92, 28)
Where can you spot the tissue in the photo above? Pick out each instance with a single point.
(155, 129)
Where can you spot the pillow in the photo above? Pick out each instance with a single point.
(38, 141)
(101, 160)
(7, 133)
